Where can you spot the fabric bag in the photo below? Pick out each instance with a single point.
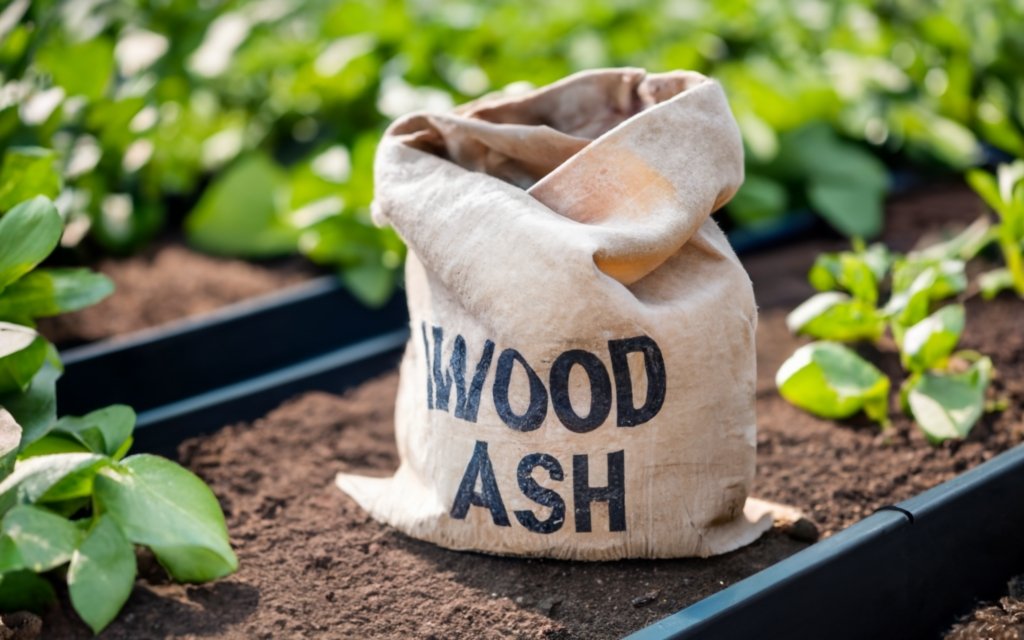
(580, 378)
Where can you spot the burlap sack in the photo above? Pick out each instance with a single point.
(580, 379)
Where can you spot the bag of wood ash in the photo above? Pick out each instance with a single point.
(580, 378)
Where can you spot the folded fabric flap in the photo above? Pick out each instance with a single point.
(640, 160)
(757, 517)
(650, 183)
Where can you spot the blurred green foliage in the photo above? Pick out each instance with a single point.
(265, 114)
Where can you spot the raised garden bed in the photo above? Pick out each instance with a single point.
(314, 565)
(241, 359)
(168, 282)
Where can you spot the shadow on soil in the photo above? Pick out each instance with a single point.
(602, 599)
(168, 611)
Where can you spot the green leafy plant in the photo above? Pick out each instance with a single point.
(1004, 193)
(72, 501)
(154, 107)
(72, 506)
(845, 310)
(944, 390)
(832, 381)
(29, 232)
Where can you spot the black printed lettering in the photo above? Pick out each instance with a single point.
(614, 493)
(629, 415)
(467, 402)
(538, 409)
(541, 495)
(488, 497)
(600, 390)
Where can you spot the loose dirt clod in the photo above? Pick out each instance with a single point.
(803, 530)
(646, 598)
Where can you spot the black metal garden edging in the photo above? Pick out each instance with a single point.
(234, 364)
(904, 572)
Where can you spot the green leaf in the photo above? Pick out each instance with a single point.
(947, 405)
(35, 409)
(49, 292)
(1008, 176)
(14, 338)
(372, 284)
(964, 246)
(832, 381)
(916, 285)
(852, 209)
(816, 152)
(949, 276)
(858, 272)
(878, 258)
(759, 200)
(994, 282)
(25, 591)
(50, 478)
(28, 233)
(845, 183)
(165, 507)
(18, 369)
(10, 438)
(927, 344)
(83, 68)
(51, 444)
(237, 214)
(953, 143)
(836, 316)
(825, 272)
(984, 184)
(102, 431)
(28, 172)
(857, 277)
(10, 559)
(102, 574)
(43, 539)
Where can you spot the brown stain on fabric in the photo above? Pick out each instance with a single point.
(624, 189)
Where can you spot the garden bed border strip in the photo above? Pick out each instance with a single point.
(162, 429)
(904, 572)
(191, 357)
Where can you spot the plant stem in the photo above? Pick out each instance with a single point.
(1014, 262)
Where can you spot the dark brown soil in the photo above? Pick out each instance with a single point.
(314, 565)
(169, 282)
(1002, 620)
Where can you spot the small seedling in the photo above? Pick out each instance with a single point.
(945, 389)
(1004, 193)
(832, 381)
(845, 310)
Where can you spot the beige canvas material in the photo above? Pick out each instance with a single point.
(580, 378)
